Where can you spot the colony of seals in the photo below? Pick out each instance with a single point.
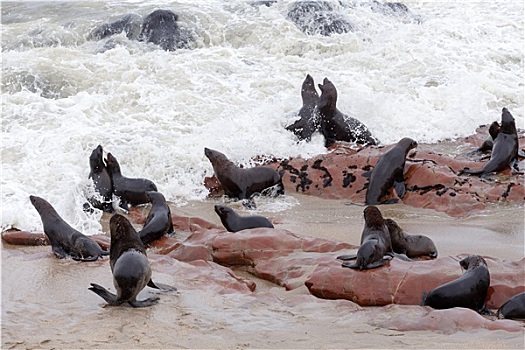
(65, 240)
(233, 222)
(101, 181)
(158, 221)
(308, 121)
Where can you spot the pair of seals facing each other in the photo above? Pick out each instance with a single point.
(65, 240)
(240, 183)
(233, 222)
(514, 308)
(468, 291)
(129, 265)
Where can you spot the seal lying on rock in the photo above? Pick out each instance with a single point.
(129, 265)
(158, 221)
(65, 240)
(514, 308)
(101, 181)
(413, 246)
(468, 291)
(309, 119)
(233, 222)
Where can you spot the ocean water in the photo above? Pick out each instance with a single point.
(433, 74)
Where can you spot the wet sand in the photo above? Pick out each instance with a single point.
(46, 303)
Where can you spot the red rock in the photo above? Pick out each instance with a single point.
(25, 238)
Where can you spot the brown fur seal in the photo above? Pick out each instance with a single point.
(101, 180)
(241, 183)
(514, 308)
(158, 221)
(65, 240)
(412, 246)
(233, 222)
(131, 191)
(129, 265)
(309, 119)
(389, 172)
(335, 126)
(468, 291)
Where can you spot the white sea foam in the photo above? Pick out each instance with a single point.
(435, 75)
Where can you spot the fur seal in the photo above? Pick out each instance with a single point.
(101, 180)
(487, 145)
(468, 291)
(242, 183)
(505, 150)
(389, 171)
(514, 308)
(65, 240)
(129, 265)
(412, 246)
(233, 222)
(131, 191)
(158, 221)
(308, 122)
(335, 126)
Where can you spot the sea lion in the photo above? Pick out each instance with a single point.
(412, 246)
(468, 291)
(129, 265)
(65, 240)
(505, 151)
(375, 246)
(101, 180)
(233, 222)
(514, 308)
(389, 171)
(158, 221)
(131, 191)
(308, 122)
(240, 183)
(335, 126)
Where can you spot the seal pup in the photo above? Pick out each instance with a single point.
(412, 246)
(65, 240)
(308, 122)
(376, 245)
(158, 221)
(505, 151)
(335, 126)
(240, 183)
(131, 191)
(514, 308)
(233, 222)
(129, 265)
(468, 291)
(389, 172)
(101, 181)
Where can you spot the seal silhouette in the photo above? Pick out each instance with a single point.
(468, 291)
(514, 308)
(65, 240)
(233, 222)
(412, 246)
(101, 181)
(389, 171)
(129, 265)
(334, 125)
(158, 221)
(131, 191)
(308, 121)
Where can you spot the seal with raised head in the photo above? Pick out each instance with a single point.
(389, 172)
(234, 222)
(242, 183)
(65, 240)
(158, 221)
(505, 150)
(514, 308)
(101, 181)
(413, 246)
(131, 191)
(468, 291)
(335, 126)
(129, 265)
(308, 123)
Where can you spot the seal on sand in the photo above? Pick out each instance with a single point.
(101, 180)
(412, 246)
(132, 191)
(389, 171)
(468, 291)
(233, 222)
(129, 265)
(158, 221)
(514, 308)
(335, 126)
(65, 240)
(309, 120)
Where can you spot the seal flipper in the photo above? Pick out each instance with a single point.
(90, 258)
(59, 252)
(144, 303)
(400, 188)
(110, 298)
(347, 257)
(160, 286)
